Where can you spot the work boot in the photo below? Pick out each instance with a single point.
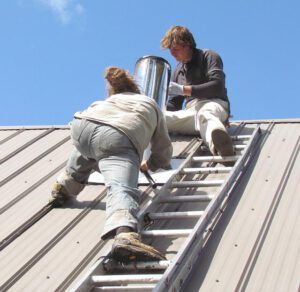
(223, 144)
(59, 195)
(127, 246)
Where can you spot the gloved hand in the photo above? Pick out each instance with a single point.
(175, 89)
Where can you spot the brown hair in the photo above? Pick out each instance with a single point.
(120, 81)
(178, 35)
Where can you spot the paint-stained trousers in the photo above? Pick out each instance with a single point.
(202, 116)
(104, 147)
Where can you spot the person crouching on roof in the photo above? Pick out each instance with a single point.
(112, 135)
(198, 81)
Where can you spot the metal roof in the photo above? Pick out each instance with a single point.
(253, 247)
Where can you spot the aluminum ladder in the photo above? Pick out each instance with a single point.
(193, 175)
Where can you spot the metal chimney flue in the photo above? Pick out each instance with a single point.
(152, 74)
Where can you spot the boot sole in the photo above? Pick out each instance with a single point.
(222, 143)
(125, 253)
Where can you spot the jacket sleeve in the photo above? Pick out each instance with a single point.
(161, 146)
(215, 85)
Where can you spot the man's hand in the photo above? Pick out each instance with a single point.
(144, 166)
(175, 89)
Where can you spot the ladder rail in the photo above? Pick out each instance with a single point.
(189, 249)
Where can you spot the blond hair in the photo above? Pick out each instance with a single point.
(178, 35)
(120, 81)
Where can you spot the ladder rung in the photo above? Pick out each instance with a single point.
(215, 158)
(200, 183)
(239, 147)
(240, 142)
(175, 215)
(206, 170)
(186, 199)
(126, 279)
(240, 137)
(143, 288)
(112, 265)
(167, 232)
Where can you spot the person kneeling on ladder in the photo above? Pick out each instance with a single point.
(111, 135)
(199, 81)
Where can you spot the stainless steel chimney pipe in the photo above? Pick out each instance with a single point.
(152, 74)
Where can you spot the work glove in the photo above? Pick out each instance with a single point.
(175, 89)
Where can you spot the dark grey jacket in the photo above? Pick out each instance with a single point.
(204, 73)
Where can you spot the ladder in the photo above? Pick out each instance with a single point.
(193, 184)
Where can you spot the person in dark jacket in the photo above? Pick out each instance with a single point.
(198, 81)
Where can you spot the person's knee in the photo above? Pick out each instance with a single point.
(204, 115)
(210, 112)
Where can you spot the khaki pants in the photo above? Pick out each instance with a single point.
(200, 116)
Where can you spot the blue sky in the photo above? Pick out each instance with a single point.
(54, 52)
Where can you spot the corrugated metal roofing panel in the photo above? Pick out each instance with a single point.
(33, 176)
(230, 260)
(78, 236)
(279, 256)
(254, 247)
(16, 157)
(19, 141)
(43, 236)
